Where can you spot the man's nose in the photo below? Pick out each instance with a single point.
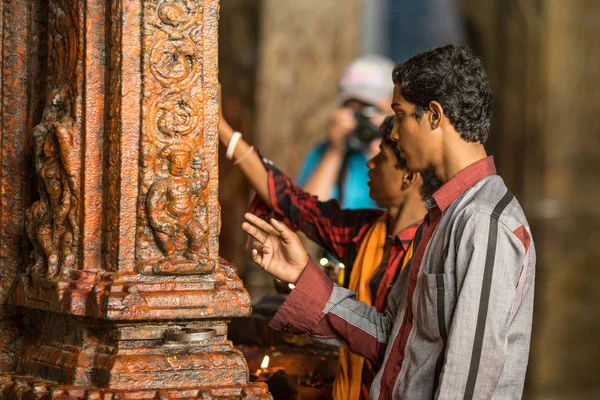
(394, 135)
(370, 163)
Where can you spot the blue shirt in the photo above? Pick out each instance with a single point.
(355, 189)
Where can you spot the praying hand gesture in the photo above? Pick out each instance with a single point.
(275, 248)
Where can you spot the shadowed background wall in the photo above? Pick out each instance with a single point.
(543, 66)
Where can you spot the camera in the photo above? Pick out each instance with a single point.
(365, 131)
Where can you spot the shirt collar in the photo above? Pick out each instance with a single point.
(462, 181)
(405, 236)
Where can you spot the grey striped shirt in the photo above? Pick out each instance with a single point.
(458, 321)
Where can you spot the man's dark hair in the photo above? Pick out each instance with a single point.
(430, 182)
(455, 78)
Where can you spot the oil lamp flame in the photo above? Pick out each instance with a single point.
(265, 363)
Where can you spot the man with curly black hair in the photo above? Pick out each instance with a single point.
(458, 318)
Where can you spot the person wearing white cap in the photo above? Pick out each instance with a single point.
(336, 168)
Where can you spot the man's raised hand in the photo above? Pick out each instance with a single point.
(275, 248)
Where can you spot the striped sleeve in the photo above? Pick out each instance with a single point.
(324, 310)
(489, 262)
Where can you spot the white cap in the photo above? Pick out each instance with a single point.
(367, 79)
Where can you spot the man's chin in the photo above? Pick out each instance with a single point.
(374, 198)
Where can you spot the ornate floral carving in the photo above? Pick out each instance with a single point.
(177, 14)
(174, 116)
(176, 209)
(174, 62)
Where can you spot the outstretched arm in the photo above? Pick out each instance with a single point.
(323, 222)
(316, 306)
(251, 165)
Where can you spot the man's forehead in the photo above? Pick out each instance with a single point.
(398, 100)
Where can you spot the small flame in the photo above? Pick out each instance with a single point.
(323, 261)
(291, 286)
(342, 266)
(265, 362)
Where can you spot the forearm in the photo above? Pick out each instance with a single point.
(318, 307)
(250, 165)
(326, 175)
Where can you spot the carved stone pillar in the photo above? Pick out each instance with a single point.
(123, 294)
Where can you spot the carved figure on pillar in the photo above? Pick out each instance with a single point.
(176, 209)
(52, 221)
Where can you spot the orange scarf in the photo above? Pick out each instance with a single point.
(348, 380)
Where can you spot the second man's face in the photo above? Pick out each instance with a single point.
(385, 178)
(409, 133)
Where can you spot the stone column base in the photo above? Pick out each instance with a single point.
(131, 337)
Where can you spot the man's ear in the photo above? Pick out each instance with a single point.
(436, 114)
(409, 179)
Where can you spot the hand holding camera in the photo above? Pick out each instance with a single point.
(341, 126)
(354, 129)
